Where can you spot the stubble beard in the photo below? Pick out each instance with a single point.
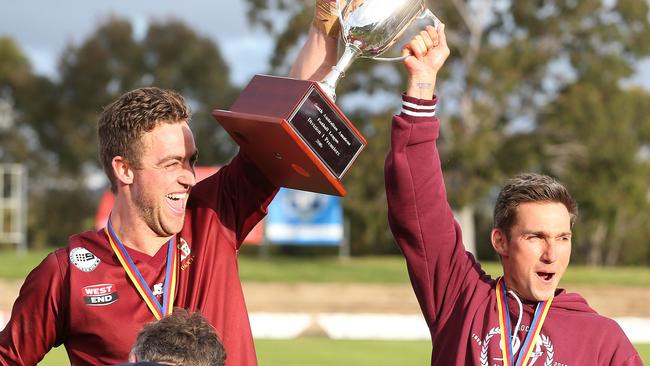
(151, 214)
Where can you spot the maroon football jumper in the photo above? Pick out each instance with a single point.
(81, 297)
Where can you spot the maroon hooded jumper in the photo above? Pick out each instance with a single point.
(457, 298)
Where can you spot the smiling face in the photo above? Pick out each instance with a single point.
(164, 177)
(536, 253)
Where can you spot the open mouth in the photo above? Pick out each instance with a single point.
(546, 276)
(176, 201)
(176, 196)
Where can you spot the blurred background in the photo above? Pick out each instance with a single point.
(560, 87)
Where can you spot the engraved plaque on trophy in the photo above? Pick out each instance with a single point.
(294, 133)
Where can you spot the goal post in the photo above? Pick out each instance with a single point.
(13, 205)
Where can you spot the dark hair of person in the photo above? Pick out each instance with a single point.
(123, 122)
(525, 188)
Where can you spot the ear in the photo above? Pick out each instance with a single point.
(122, 170)
(499, 242)
(132, 357)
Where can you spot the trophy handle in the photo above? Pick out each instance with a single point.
(426, 14)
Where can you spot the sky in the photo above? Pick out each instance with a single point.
(43, 28)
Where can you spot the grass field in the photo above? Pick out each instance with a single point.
(386, 269)
(321, 351)
(327, 352)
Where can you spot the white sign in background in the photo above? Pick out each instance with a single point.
(304, 218)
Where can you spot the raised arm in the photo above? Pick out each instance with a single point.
(320, 51)
(243, 191)
(419, 214)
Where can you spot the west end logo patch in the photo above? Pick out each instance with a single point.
(99, 295)
(83, 259)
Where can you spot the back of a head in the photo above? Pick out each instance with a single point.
(181, 339)
(527, 188)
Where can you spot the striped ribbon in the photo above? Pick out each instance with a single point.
(504, 326)
(171, 272)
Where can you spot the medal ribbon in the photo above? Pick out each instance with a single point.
(504, 326)
(171, 272)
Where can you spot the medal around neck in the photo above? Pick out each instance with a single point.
(159, 310)
(291, 128)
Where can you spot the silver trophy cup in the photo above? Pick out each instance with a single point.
(370, 27)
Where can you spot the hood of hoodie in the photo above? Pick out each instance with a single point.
(571, 301)
(563, 300)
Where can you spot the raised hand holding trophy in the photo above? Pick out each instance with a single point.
(291, 128)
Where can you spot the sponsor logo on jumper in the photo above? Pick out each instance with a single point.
(99, 295)
(543, 345)
(187, 263)
(83, 259)
(184, 248)
(186, 254)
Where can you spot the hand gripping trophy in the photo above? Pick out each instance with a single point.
(291, 128)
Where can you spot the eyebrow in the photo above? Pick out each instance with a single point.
(192, 157)
(544, 234)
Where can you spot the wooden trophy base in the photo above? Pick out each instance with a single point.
(294, 133)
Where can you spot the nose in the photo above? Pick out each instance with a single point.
(549, 254)
(187, 177)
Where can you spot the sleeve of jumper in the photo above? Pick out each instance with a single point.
(240, 194)
(617, 348)
(36, 323)
(419, 215)
(634, 360)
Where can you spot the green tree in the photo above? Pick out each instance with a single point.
(596, 138)
(15, 76)
(60, 115)
(24, 99)
(593, 134)
(178, 58)
(365, 204)
(111, 61)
